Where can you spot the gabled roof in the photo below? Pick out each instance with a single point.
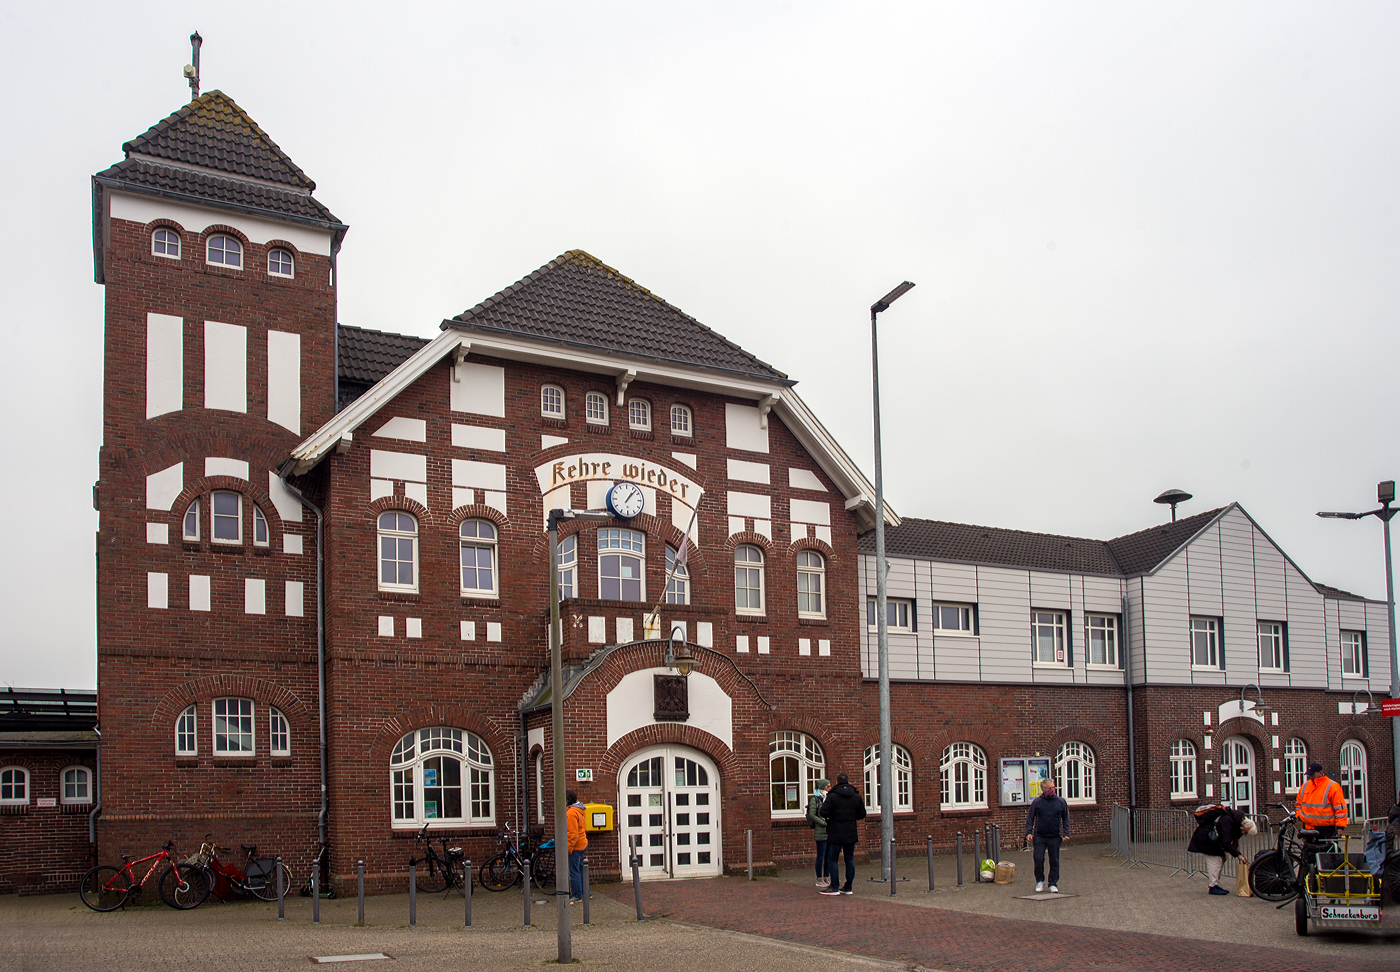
(964, 542)
(1144, 551)
(578, 300)
(366, 356)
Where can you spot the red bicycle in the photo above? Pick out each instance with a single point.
(107, 888)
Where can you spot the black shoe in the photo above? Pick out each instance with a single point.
(830, 891)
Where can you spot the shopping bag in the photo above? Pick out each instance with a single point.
(1242, 880)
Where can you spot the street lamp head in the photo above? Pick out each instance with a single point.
(1342, 516)
(884, 302)
(588, 516)
(1385, 492)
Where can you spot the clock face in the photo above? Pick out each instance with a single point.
(626, 500)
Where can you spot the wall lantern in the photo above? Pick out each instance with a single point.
(1260, 709)
(680, 659)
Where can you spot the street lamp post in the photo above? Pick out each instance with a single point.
(556, 703)
(886, 783)
(1385, 495)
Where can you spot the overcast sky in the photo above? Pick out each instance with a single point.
(1154, 246)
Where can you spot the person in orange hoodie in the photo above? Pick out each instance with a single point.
(578, 843)
(1321, 804)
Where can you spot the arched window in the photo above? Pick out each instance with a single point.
(186, 739)
(1295, 764)
(681, 423)
(1074, 772)
(76, 782)
(621, 555)
(442, 774)
(191, 525)
(748, 580)
(279, 263)
(14, 785)
(962, 776)
(279, 739)
(811, 584)
(678, 579)
(568, 566)
(795, 763)
(903, 778)
(225, 251)
(552, 401)
(639, 414)
(398, 552)
(1352, 777)
(1183, 769)
(539, 786)
(233, 727)
(260, 532)
(166, 243)
(478, 558)
(596, 408)
(226, 512)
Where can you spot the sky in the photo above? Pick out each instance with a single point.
(1154, 246)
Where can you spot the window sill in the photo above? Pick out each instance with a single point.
(814, 622)
(682, 440)
(74, 808)
(874, 632)
(1208, 668)
(235, 760)
(596, 429)
(790, 823)
(1103, 668)
(751, 618)
(873, 813)
(645, 434)
(448, 828)
(550, 422)
(13, 809)
(1057, 666)
(811, 619)
(262, 551)
(281, 761)
(966, 812)
(186, 760)
(407, 597)
(472, 600)
(1184, 798)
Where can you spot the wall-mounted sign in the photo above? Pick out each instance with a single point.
(47, 801)
(583, 775)
(616, 468)
(1022, 779)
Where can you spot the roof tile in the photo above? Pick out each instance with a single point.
(251, 195)
(366, 356)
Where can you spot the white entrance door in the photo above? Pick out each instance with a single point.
(1237, 775)
(1352, 778)
(670, 804)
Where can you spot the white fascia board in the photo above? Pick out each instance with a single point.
(835, 462)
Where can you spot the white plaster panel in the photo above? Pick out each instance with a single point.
(413, 627)
(478, 388)
(288, 506)
(648, 500)
(418, 492)
(407, 429)
(555, 499)
(550, 441)
(749, 472)
(804, 479)
(750, 504)
(763, 527)
(295, 600)
(284, 379)
(163, 487)
(799, 531)
(741, 644)
(804, 646)
(157, 590)
(493, 631)
(468, 630)
(478, 475)
(598, 493)
(624, 631)
(380, 487)
(742, 429)
(386, 626)
(631, 705)
(806, 511)
(165, 364)
(479, 437)
(291, 543)
(404, 466)
(684, 519)
(220, 466)
(823, 647)
(533, 738)
(686, 457)
(462, 497)
(157, 533)
(225, 366)
(823, 533)
(649, 630)
(144, 209)
(496, 500)
(597, 630)
(736, 525)
(682, 626)
(763, 644)
(199, 592)
(254, 595)
(705, 634)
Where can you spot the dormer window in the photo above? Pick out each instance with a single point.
(279, 263)
(225, 251)
(166, 243)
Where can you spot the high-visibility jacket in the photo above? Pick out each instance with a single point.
(1321, 804)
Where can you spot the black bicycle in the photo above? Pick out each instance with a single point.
(327, 890)
(507, 868)
(1276, 872)
(438, 871)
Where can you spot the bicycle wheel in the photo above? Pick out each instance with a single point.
(267, 891)
(500, 872)
(429, 878)
(104, 888)
(542, 869)
(184, 886)
(1270, 876)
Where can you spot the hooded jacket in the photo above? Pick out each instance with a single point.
(843, 808)
(1227, 828)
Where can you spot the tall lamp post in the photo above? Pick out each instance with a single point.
(886, 784)
(1385, 495)
(556, 704)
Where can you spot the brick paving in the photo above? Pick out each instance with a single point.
(936, 938)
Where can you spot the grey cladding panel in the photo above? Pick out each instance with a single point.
(1049, 590)
(1268, 580)
(1203, 557)
(953, 582)
(1166, 621)
(1005, 611)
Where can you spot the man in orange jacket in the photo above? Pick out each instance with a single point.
(578, 843)
(1321, 805)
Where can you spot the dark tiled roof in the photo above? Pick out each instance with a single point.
(214, 133)
(1327, 591)
(243, 195)
(366, 356)
(577, 300)
(937, 540)
(1139, 552)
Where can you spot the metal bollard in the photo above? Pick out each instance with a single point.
(316, 894)
(637, 878)
(987, 833)
(586, 893)
(748, 839)
(360, 880)
(996, 832)
(413, 896)
(281, 893)
(892, 877)
(960, 879)
(930, 862)
(528, 892)
(467, 891)
(977, 857)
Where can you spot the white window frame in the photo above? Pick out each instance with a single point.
(639, 414)
(789, 747)
(291, 270)
(595, 408)
(539, 785)
(491, 545)
(8, 783)
(814, 576)
(1346, 778)
(970, 761)
(396, 534)
(245, 712)
(215, 517)
(279, 733)
(1183, 769)
(682, 421)
(79, 772)
(550, 408)
(260, 525)
(1274, 638)
(677, 579)
(1108, 625)
(1210, 628)
(568, 566)
(1056, 623)
(187, 731)
(965, 614)
(1295, 765)
(224, 251)
(1075, 773)
(191, 519)
(899, 614)
(751, 568)
(406, 778)
(157, 241)
(1353, 650)
(903, 778)
(623, 543)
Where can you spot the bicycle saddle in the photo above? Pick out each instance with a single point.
(455, 851)
(1308, 834)
(249, 847)
(125, 857)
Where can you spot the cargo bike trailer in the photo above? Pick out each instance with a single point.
(1338, 892)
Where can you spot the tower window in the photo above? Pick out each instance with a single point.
(166, 243)
(279, 263)
(226, 251)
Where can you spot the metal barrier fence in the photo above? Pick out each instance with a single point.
(1159, 837)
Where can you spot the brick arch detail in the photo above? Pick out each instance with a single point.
(404, 505)
(478, 511)
(1354, 731)
(281, 244)
(652, 654)
(196, 690)
(390, 731)
(752, 539)
(812, 543)
(1077, 733)
(811, 726)
(669, 734)
(207, 484)
(165, 222)
(1246, 729)
(225, 229)
(262, 449)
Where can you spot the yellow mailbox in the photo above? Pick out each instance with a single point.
(597, 816)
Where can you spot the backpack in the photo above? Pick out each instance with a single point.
(1213, 834)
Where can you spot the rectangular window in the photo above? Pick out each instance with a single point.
(1101, 636)
(1048, 638)
(1353, 653)
(1205, 643)
(1270, 646)
(952, 618)
(228, 518)
(899, 614)
(233, 727)
(186, 741)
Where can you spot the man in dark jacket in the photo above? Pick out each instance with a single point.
(1218, 833)
(842, 808)
(1048, 822)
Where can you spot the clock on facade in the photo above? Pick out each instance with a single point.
(625, 500)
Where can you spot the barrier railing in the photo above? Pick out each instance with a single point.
(1147, 835)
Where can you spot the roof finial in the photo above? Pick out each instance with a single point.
(192, 69)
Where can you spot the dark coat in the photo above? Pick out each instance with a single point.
(1227, 827)
(842, 808)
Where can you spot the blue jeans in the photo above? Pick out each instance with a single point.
(821, 859)
(576, 874)
(833, 864)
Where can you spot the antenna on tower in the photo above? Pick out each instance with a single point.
(192, 70)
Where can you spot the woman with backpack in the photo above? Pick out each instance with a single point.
(818, 824)
(1218, 832)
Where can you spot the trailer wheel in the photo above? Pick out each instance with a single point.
(1300, 916)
